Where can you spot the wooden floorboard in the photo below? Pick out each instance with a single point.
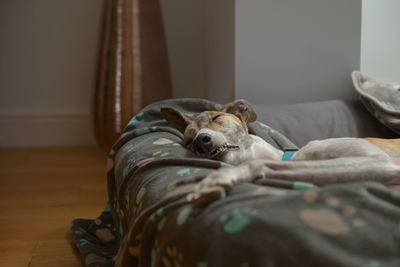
(41, 191)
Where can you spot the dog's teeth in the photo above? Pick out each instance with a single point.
(220, 149)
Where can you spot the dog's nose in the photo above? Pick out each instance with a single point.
(203, 143)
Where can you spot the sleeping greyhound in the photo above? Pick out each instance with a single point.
(223, 135)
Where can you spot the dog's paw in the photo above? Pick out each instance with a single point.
(206, 195)
(213, 187)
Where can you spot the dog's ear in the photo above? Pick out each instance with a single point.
(175, 118)
(242, 109)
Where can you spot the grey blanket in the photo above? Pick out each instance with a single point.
(267, 223)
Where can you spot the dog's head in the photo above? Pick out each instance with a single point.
(219, 135)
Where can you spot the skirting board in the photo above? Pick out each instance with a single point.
(46, 130)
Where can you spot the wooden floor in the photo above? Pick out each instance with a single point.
(41, 191)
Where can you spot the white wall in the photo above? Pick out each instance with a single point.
(380, 42)
(48, 54)
(185, 33)
(290, 51)
(220, 50)
(47, 67)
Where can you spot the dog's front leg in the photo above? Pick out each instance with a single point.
(334, 171)
(319, 172)
(215, 185)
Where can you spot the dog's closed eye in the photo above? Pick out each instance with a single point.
(216, 117)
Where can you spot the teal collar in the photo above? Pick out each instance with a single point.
(288, 154)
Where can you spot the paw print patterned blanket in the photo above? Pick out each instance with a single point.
(149, 222)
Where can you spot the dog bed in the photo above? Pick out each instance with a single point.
(148, 221)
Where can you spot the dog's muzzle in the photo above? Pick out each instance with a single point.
(204, 145)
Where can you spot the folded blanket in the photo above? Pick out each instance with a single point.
(382, 100)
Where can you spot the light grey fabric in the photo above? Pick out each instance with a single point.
(304, 122)
(382, 100)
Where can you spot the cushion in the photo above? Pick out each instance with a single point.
(304, 122)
